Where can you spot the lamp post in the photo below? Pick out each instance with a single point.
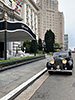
(43, 46)
(5, 37)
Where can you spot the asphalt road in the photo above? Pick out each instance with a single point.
(57, 87)
(12, 78)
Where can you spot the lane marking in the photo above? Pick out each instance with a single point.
(14, 93)
(29, 92)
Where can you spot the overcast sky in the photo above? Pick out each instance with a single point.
(68, 8)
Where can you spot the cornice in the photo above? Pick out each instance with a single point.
(34, 4)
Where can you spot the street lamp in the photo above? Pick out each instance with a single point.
(5, 36)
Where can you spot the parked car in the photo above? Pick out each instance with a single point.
(73, 51)
(60, 62)
(20, 54)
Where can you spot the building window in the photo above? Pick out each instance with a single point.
(10, 3)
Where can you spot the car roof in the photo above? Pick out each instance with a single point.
(60, 53)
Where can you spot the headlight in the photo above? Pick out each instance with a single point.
(52, 62)
(64, 61)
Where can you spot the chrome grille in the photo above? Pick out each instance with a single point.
(58, 62)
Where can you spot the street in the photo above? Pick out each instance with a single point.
(57, 87)
(12, 78)
(47, 87)
(31, 28)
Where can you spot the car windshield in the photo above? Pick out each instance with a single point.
(60, 54)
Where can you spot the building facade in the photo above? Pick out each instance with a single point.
(30, 15)
(50, 18)
(24, 11)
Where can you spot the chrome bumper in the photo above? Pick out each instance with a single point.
(60, 71)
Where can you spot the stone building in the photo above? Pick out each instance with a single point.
(49, 17)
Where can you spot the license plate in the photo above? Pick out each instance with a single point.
(58, 69)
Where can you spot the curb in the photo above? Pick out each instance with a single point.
(19, 64)
(14, 93)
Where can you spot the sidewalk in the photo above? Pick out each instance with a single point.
(21, 63)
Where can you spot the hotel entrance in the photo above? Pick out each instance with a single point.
(15, 31)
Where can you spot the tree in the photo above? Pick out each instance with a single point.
(33, 47)
(22, 48)
(40, 44)
(49, 41)
(27, 45)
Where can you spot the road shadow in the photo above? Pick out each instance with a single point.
(61, 73)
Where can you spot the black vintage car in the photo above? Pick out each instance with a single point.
(60, 62)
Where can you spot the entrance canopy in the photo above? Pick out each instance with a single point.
(16, 31)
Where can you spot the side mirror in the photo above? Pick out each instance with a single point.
(69, 53)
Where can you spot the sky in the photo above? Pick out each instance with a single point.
(68, 9)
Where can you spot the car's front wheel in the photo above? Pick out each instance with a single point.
(50, 73)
